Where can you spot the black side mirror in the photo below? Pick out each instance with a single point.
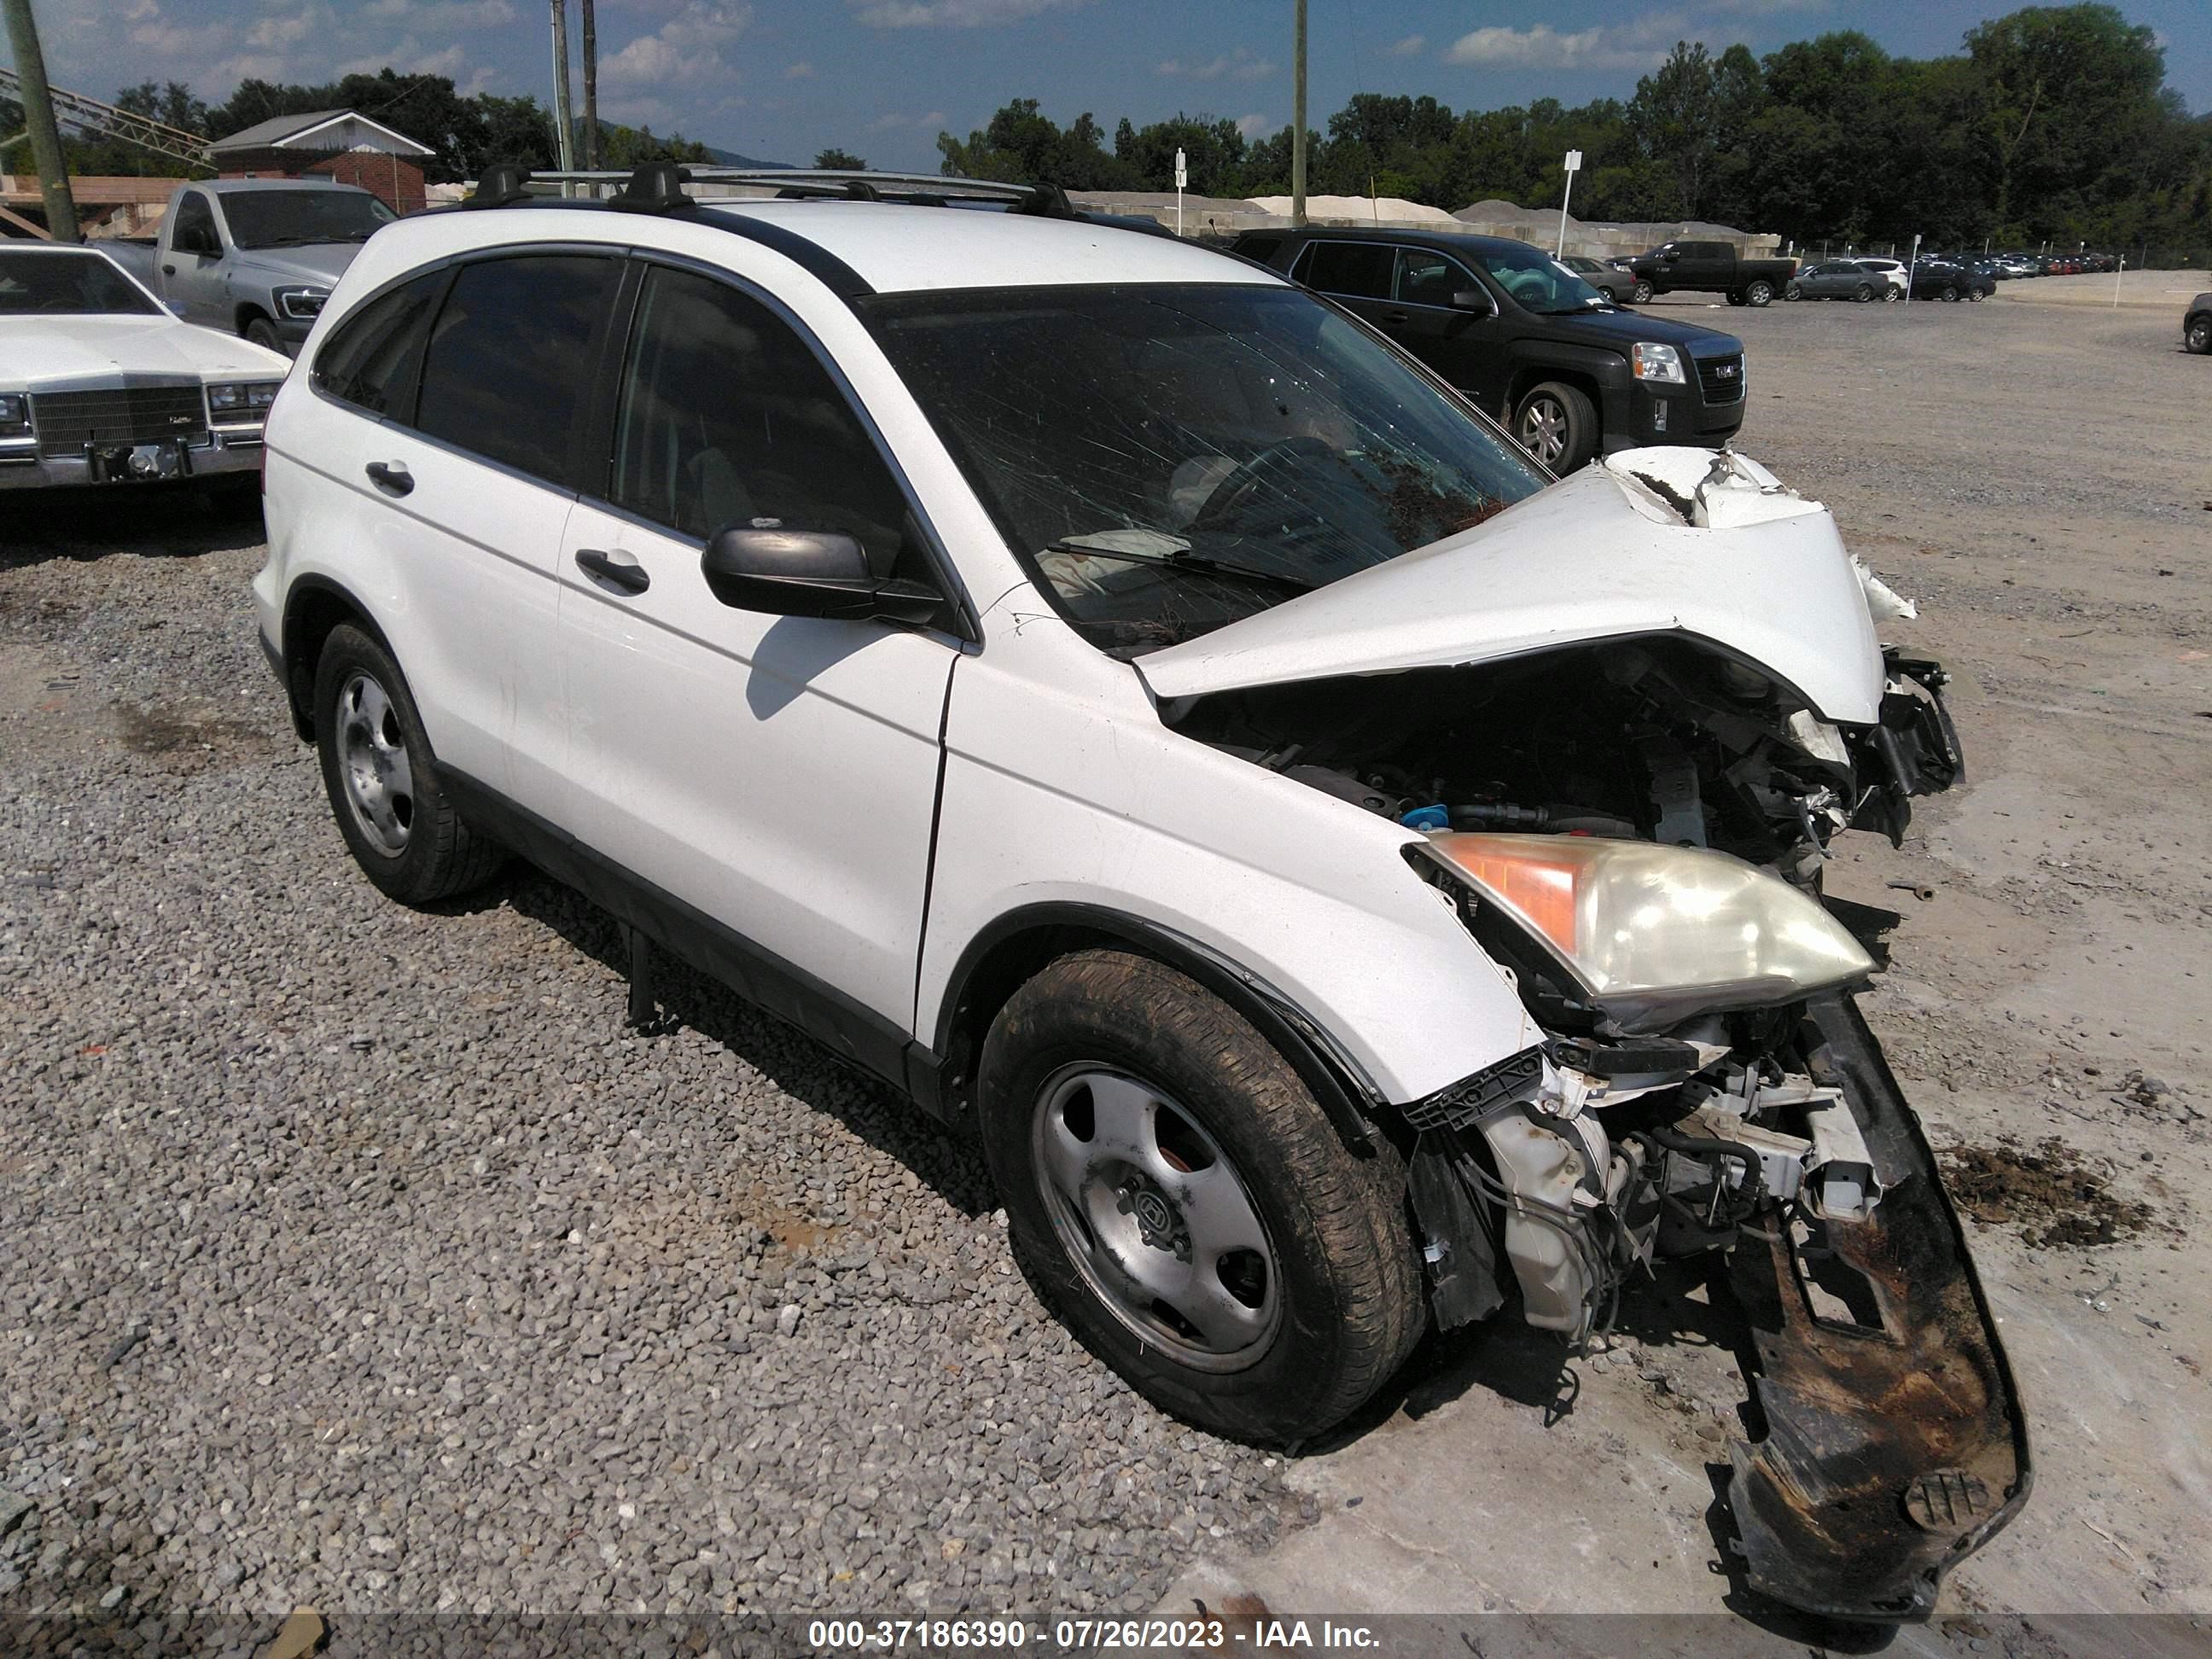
(1470, 299)
(808, 573)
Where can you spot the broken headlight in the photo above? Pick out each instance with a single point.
(1653, 934)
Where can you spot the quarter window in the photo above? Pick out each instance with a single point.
(1355, 270)
(511, 356)
(728, 418)
(375, 358)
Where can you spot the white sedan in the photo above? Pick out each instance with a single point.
(99, 384)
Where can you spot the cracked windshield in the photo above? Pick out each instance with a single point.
(1172, 459)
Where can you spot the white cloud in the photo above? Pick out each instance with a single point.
(409, 58)
(685, 51)
(1239, 65)
(1632, 47)
(1410, 46)
(801, 70)
(1761, 8)
(171, 39)
(441, 14)
(277, 33)
(953, 14)
(886, 122)
(140, 11)
(1253, 125)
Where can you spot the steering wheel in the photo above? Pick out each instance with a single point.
(1526, 285)
(1238, 488)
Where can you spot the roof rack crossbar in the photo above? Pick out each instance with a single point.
(1045, 200)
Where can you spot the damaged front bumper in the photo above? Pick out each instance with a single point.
(1894, 1445)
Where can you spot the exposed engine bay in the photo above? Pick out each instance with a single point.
(1658, 737)
(1675, 1107)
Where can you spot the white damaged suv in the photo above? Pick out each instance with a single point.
(1350, 882)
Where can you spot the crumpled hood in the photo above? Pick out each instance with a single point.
(318, 264)
(1601, 554)
(52, 353)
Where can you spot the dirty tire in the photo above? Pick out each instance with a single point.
(1557, 424)
(2197, 336)
(1758, 293)
(1346, 1278)
(440, 856)
(1643, 293)
(1865, 293)
(263, 332)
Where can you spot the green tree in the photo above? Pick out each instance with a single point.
(840, 161)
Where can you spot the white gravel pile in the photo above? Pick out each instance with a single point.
(360, 1258)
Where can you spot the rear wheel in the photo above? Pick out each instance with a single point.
(1864, 293)
(2197, 335)
(1643, 292)
(382, 781)
(1557, 424)
(1793, 292)
(1178, 1194)
(1891, 293)
(1759, 294)
(1950, 294)
(1736, 297)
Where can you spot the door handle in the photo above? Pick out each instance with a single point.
(1395, 317)
(169, 270)
(623, 572)
(392, 477)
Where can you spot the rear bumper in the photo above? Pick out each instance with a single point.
(1894, 1449)
(223, 452)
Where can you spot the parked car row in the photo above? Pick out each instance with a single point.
(1866, 281)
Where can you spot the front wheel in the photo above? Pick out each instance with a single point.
(1793, 292)
(382, 781)
(1643, 291)
(1949, 296)
(1976, 296)
(1865, 293)
(1759, 294)
(1737, 297)
(2197, 336)
(1178, 1194)
(1557, 424)
(262, 332)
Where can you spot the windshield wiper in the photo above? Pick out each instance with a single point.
(1189, 561)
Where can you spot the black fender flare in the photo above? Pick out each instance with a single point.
(1013, 947)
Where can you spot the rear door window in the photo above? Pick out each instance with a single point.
(511, 358)
(374, 358)
(1352, 271)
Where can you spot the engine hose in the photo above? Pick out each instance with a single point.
(1754, 1176)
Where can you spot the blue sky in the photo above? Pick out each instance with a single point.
(782, 78)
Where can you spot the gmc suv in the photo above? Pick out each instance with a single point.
(1524, 337)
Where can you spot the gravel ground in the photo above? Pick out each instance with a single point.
(362, 1258)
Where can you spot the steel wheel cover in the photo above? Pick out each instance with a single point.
(1155, 1218)
(380, 783)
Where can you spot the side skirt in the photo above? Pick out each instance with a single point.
(851, 1030)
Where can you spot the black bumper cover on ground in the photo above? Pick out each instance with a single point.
(1890, 1454)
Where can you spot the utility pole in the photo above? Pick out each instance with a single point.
(590, 86)
(39, 118)
(564, 138)
(1297, 118)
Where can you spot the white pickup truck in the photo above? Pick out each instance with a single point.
(253, 257)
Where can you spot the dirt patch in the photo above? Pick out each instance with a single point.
(181, 739)
(2054, 1195)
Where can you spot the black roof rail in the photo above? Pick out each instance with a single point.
(503, 184)
(650, 190)
(655, 187)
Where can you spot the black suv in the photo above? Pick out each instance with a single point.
(1525, 337)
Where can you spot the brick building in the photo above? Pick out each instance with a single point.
(332, 143)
